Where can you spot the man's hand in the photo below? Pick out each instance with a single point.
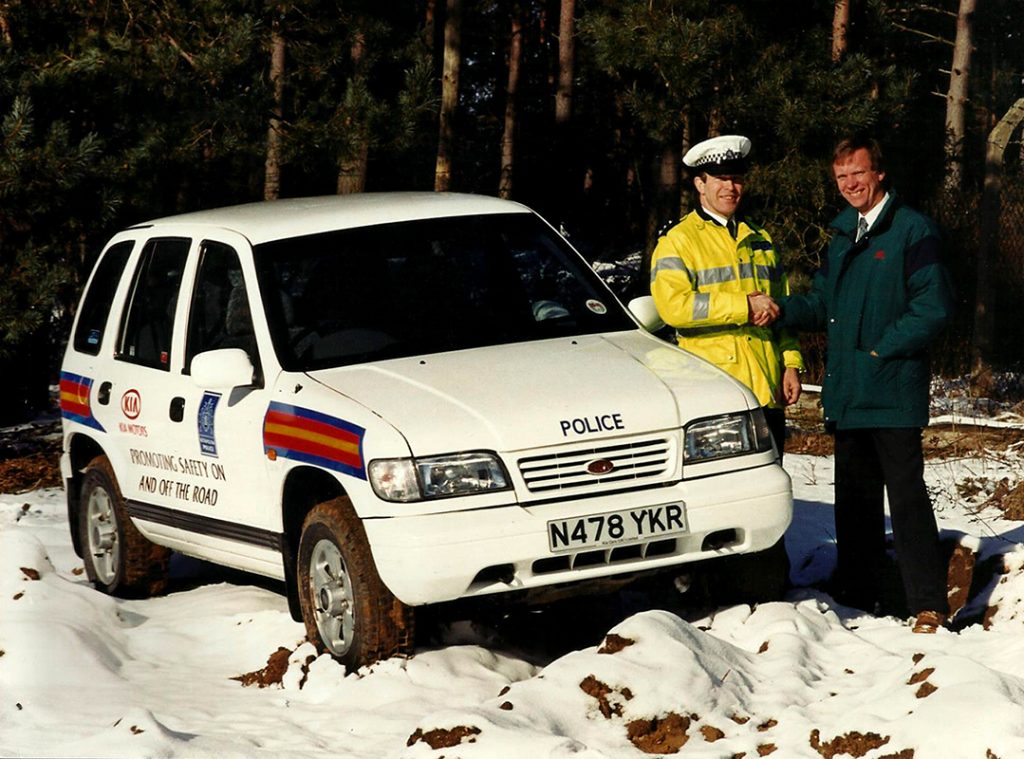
(761, 309)
(791, 386)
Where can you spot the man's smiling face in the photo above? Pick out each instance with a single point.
(858, 181)
(721, 194)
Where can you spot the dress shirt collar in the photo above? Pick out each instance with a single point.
(872, 216)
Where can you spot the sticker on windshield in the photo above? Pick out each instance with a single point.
(596, 306)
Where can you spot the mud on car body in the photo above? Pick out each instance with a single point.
(391, 400)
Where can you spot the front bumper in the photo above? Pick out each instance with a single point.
(442, 557)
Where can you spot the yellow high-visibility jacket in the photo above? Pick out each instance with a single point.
(700, 278)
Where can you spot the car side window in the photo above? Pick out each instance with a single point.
(219, 315)
(92, 317)
(148, 325)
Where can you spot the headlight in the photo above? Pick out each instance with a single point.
(453, 474)
(719, 437)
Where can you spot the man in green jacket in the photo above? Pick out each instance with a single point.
(882, 295)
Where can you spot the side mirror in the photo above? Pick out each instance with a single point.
(222, 369)
(645, 312)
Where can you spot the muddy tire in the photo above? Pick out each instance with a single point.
(348, 611)
(118, 560)
(750, 578)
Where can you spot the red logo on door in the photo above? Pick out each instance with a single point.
(131, 403)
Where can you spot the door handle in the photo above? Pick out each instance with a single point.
(103, 394)
(177, 409)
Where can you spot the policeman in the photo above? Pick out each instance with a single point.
(710, 274)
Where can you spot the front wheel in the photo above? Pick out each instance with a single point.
(346, 608)
(118, 559)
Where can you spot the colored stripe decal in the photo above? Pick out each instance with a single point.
(308, 436)
(74, 400)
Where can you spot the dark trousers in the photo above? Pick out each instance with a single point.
(869, 461)
(776, 418)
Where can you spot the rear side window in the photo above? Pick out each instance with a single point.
(148, 324)
(219, 316)
(92, 317)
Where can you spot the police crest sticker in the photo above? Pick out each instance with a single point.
(205, 421)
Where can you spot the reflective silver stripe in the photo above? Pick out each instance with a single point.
(673, 263)
(746, 270)
(716, 275)
(701, 306)
(766, 272)
(710, 330)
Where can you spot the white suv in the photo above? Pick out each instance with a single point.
(390, 400)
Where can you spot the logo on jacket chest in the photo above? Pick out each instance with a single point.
(879, 255)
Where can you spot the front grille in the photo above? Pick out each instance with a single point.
(605, 556)
(631, 462)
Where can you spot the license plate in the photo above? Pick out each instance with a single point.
(614, 527)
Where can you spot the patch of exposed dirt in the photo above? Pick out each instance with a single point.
(25, 473)
(30, 457)
(272, 674)
(614, 643)
(711, 733)
(444, 738)
(940, 441)
(1009, 500)
(601, 691)
(806, 434)
(852, 744)
(659, 735)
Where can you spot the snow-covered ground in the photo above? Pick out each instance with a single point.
(82, 674)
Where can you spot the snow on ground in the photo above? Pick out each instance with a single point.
(82, 674)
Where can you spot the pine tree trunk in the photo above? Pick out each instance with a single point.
(515, 57)
(984, 323)
(566, 62)
(272, 165)
(685, 143)
(5, 27)
(840, 29)
(666, 203)
(956, 98)
(352, 162)
(449, 94)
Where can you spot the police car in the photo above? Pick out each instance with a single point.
(391, 400)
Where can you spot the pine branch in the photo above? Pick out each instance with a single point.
(926, 35)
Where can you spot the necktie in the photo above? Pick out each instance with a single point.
(862, 228)
(733, 227)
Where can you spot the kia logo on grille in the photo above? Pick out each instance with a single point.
(600, 466)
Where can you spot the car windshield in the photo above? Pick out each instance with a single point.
(420, 287)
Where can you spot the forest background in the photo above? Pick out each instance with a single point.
(117, 111)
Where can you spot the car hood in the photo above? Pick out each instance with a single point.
(530, 395)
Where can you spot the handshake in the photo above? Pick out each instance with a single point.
(761, 309)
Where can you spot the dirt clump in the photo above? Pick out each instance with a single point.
(272, 674)
(959, 577)
(659, 735)
(853, 743)
(711, 733)
(601, 691)
(920, 677)
(444, 738)
(614, 643)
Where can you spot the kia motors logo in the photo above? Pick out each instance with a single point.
(131, 403)
(600, 466)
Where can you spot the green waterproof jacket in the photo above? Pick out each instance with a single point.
(882, 301)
